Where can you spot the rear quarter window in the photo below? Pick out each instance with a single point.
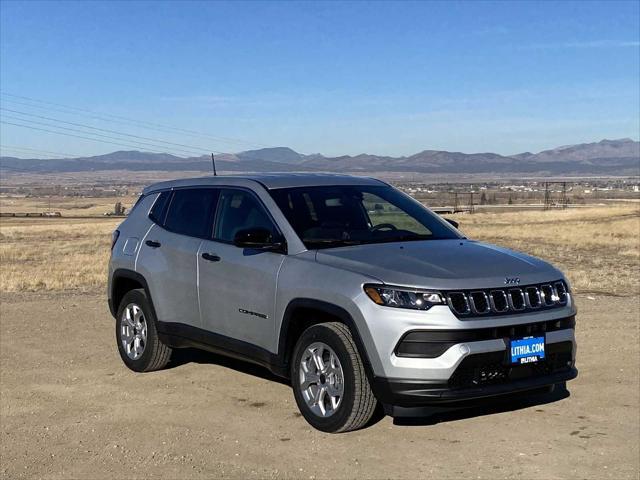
(159, 209)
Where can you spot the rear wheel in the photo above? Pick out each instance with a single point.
(138, 343)
(329, 381)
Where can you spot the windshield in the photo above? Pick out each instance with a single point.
(335, 216)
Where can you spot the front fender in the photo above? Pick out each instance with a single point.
(304, 283)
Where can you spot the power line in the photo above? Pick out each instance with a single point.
(116, 119)
(139, 144)
(20, 147)
(111, 118)
(201, 149)
(78, 136)
(34, 150)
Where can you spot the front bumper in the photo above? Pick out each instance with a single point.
(408, 394)
(481, 375)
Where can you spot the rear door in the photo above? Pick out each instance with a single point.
(168, 255)
(238, 286)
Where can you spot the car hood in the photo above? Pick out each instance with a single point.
(440, 264)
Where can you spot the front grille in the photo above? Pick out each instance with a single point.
(474, 303)
(499, 301)
(493, 368)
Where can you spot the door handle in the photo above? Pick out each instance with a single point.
(211, 257)
(152, 244)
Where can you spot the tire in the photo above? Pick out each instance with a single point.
(135, 319)
(347, 403)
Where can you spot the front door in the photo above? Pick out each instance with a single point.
(237, 286)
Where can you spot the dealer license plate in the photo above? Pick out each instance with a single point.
(527, 350)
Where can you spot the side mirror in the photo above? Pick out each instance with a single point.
(258, 239)
(452, 222)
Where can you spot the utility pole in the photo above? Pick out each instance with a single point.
(471, 207)
(547, 196)
(564, 200)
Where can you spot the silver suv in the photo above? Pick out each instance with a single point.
(352, 290)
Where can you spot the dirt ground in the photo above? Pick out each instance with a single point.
(70, 409)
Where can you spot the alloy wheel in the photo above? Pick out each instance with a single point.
(321, 379)
(133, 331)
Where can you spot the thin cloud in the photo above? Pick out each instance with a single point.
(493, 30)
(253, 101)
(588, 44)
(207, 99)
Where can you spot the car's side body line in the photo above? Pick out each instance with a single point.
(182, 335)
(144, 238)
(179, 335)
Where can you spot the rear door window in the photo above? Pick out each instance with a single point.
(191, 212)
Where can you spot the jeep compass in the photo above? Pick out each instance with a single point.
(353, 291)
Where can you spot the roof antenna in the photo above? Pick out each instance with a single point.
(213, 162)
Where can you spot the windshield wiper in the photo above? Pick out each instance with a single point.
(410, 237)
(334, 242)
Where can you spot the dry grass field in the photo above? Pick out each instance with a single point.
(54, 254)
(67, 206)
(598, 248)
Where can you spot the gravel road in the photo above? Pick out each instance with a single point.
(70, 409)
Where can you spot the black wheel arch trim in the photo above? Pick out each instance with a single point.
(129, 275)
(285, 345)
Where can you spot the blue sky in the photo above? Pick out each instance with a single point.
(337, 78)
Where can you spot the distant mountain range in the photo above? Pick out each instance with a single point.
(607, 157)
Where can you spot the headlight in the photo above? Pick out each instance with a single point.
(403, 297)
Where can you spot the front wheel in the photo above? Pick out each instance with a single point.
(329, 381)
